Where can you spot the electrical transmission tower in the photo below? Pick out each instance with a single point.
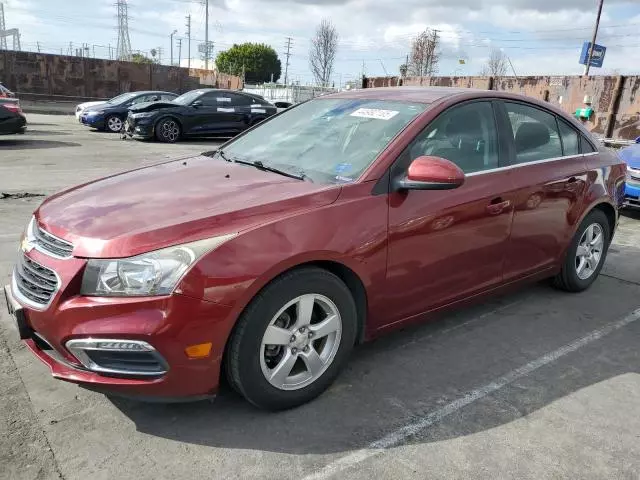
(4, 33)
(123, 52)
(3, 28)
(288, 54)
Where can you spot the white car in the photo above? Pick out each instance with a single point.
(83, 106)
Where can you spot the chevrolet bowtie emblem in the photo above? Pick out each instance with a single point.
(25, 245)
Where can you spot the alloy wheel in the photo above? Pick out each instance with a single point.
(170, 130)
(589, 251)
(300, 342)
(114, 124)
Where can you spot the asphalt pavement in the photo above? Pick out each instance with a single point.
(535, 384)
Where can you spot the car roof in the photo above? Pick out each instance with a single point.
(148, 92)
(405, 94)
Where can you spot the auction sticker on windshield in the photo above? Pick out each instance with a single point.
(375, 113)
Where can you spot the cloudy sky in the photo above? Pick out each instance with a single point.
(539, 36)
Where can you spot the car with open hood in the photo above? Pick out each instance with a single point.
(199, 113)
(345, 217)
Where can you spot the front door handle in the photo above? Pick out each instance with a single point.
(497, 206)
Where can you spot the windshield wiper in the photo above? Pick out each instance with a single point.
(261, 166)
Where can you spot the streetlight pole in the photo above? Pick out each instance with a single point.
(172, 34)
(593, 40)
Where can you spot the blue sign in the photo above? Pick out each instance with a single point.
(596, 58)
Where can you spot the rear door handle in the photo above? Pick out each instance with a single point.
(498, 205)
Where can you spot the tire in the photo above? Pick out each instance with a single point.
(252, 363)
(579, 272)
(113, 124)
(168, 130)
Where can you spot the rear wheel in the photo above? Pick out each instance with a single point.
(292, 340)
(586, 254)
(168, 130)
(113, 124)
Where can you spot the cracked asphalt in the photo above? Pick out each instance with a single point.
(535, 384)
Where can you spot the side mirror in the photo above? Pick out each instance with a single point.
(431, 173)
(197, 103)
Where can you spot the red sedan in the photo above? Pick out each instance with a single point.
(332, 223)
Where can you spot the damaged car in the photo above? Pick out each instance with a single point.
(198, 113)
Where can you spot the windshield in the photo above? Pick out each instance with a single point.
(188, 98)
(122, 98)
(328, 140)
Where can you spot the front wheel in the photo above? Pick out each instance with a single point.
(114, 124)
(293, 339)
(586, 254)
(168, 130)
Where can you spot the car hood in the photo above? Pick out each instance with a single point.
(631, 156)
(86, 105)
(172, 203)
(150, 106)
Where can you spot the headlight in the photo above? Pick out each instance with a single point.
(95, 112)
(144, 115)
(153, 273)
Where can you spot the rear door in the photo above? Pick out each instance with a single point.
(550, 176)
(449, 244)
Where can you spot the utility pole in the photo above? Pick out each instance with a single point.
(172, 34)
(593, 39)
(288, 54)
(160, 49)
(179, 52)
(206, 35)
(432, 52)
(189, 40)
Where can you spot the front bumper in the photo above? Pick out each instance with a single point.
(169, 324)
(141, 129)
(92, 121)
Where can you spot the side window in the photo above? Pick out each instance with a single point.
(211, 100)
(535, 133)
(585, 145)
(240, 100)
(465, 135)
(167, 98)
(570, 139)
(140, 99)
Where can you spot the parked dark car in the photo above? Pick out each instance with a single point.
(204, 112)
(337, 221)
(12, 120)
(111, 115)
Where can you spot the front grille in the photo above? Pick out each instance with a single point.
(36, 283)
(51, 244)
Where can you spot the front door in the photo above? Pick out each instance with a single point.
(222, 115)
(447, 245)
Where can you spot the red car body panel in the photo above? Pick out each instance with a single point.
(410, 252)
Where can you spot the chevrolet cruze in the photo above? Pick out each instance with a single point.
(333, 222)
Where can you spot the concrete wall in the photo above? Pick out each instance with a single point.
(57, 75)
(615, 99)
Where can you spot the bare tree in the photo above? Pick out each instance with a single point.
(323, 50)
(424, 57)
(496, 65)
